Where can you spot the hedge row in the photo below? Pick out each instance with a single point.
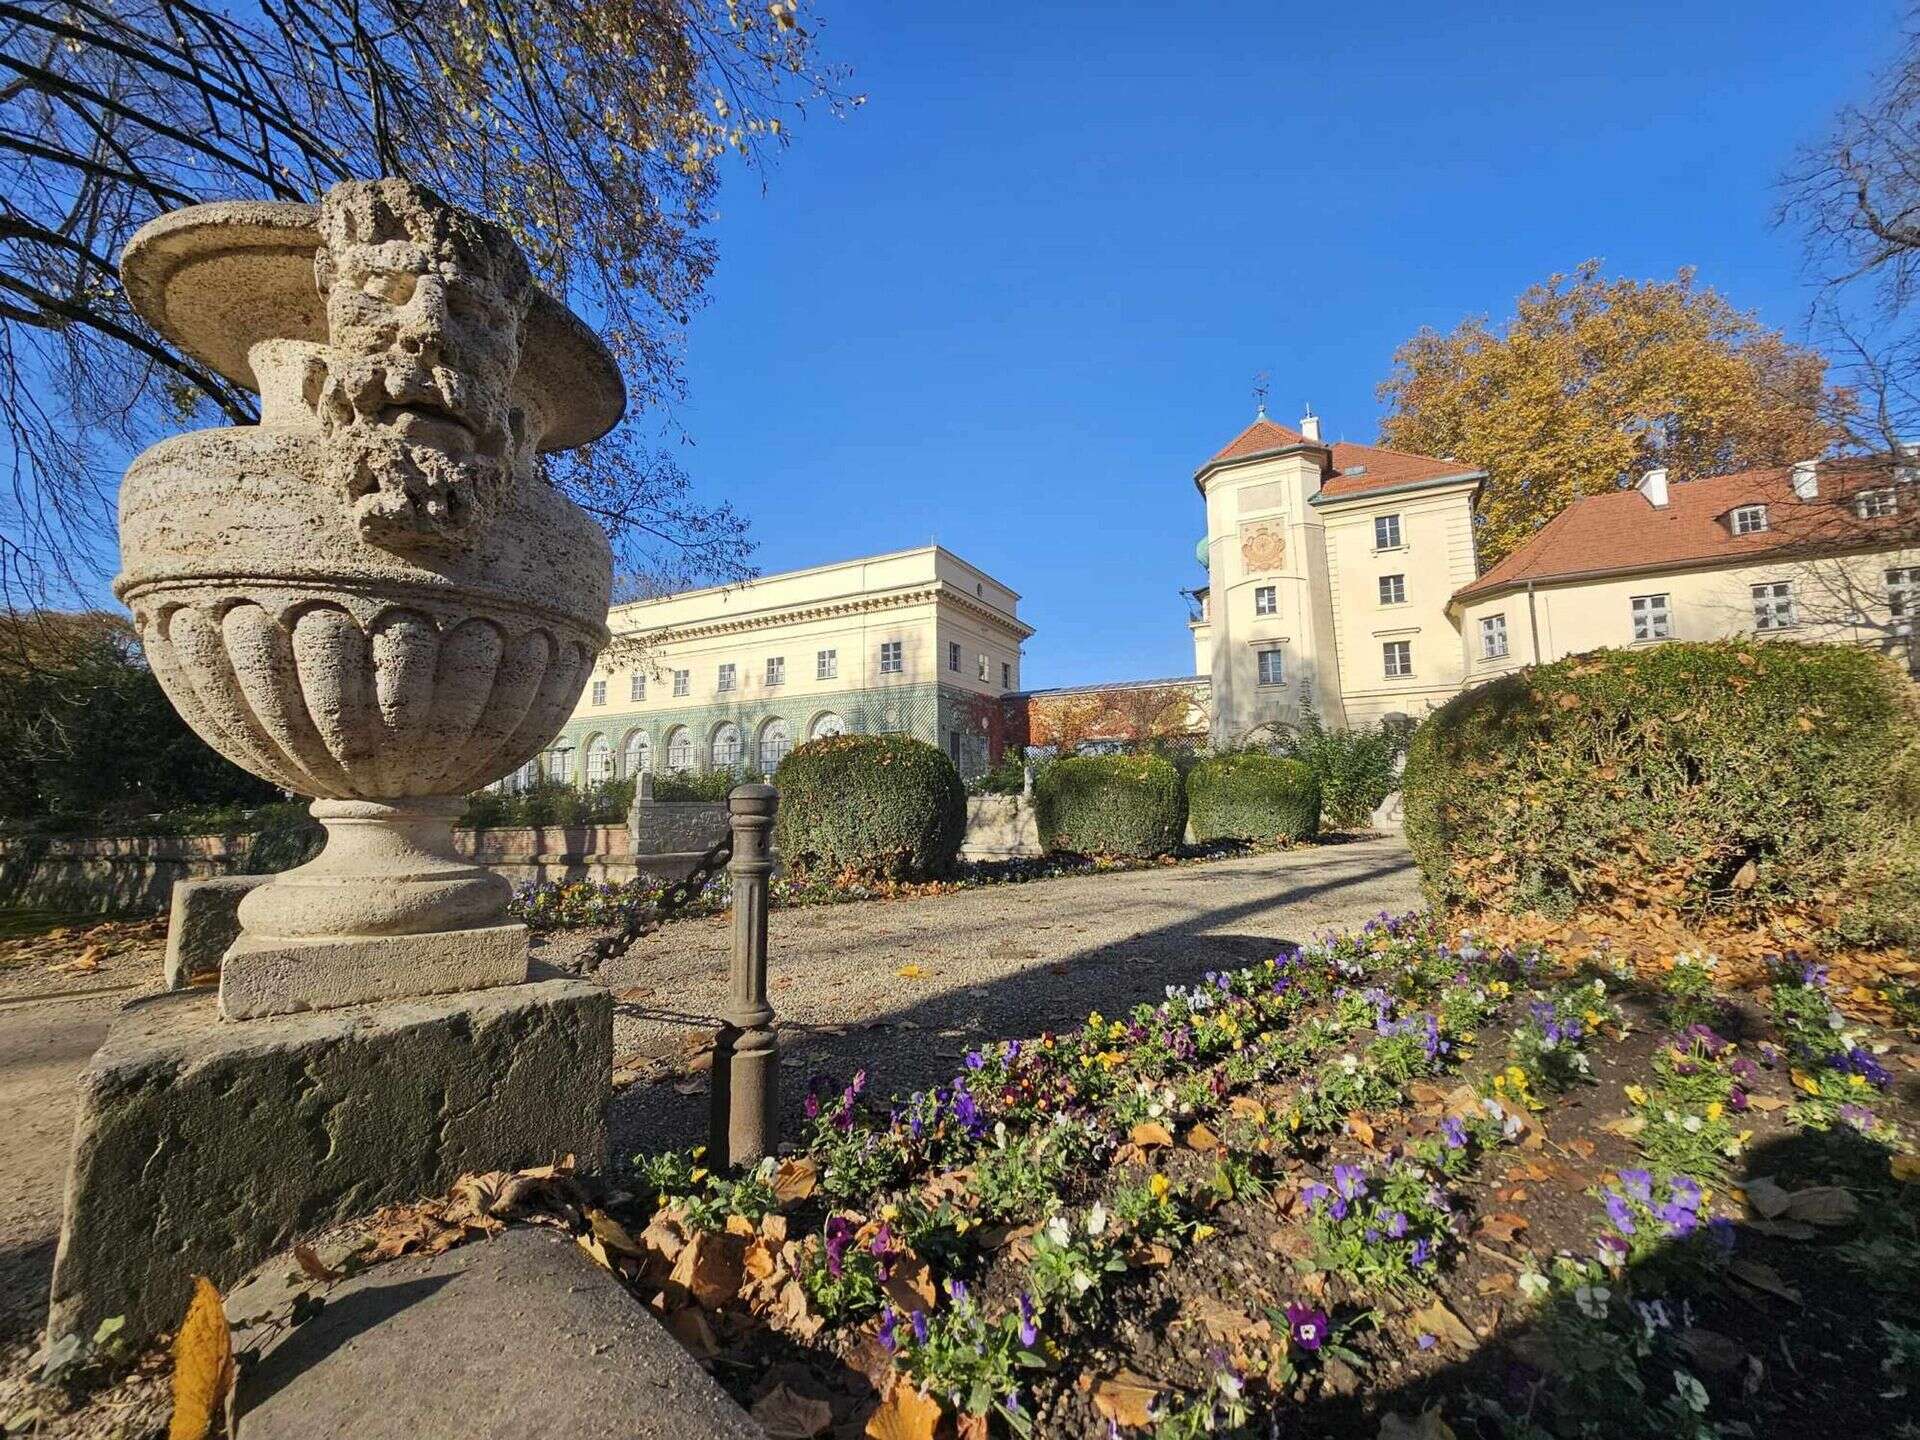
(874, 805)
(1734, 779)
(1248, 795)
(1111, 805)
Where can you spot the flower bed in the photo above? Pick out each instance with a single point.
(1390, 1184)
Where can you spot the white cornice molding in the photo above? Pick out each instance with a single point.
(937, 592)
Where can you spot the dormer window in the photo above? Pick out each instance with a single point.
(1876, 504)
(1748, 519)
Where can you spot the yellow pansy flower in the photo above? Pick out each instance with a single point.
(1636, 1094)
(1159, 1185)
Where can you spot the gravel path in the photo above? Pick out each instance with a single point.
(1005, 961)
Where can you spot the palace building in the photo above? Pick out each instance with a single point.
(1330, 567)
(1343, 577)
(731, 677)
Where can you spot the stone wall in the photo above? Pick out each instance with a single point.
(108, 874)
(668, 827)
(1000, 827)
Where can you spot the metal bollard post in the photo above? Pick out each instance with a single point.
(743, 1126)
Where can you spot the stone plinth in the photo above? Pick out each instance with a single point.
(205, 1145)
(202, 924)
(263, 976)
(513, 1338)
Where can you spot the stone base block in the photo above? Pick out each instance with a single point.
(203, 1146)
(261, 976)
(203, 923)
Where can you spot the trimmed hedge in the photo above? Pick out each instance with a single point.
(878, 805)
(1111, 805)
(1251, 796)
(1733, 779)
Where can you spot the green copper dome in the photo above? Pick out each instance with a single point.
(1200, 551)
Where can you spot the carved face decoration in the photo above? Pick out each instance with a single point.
(425, 307)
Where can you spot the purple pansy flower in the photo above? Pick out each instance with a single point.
(1307, 1326)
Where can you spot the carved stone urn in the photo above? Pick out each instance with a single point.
(371, 597)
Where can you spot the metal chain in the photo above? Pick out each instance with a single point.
(645, 921)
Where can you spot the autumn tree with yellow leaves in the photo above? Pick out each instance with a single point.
(1593, 382)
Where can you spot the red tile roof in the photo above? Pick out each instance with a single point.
(1262, 435)
(1384, 468)
(1381, 467)
(1623, 531)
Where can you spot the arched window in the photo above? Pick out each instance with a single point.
(560, 766)
(775, 741)
(637, 758)
(599, 760)
(827, 724)
(679, 751)
(527, 776)
(726, 746)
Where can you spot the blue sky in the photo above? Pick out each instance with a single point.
(1016, 299)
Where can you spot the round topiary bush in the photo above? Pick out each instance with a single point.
(1111, 805)
(1252, 796)
(1732, 780)
(878, 805)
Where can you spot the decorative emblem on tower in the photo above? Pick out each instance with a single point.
(1263, 548)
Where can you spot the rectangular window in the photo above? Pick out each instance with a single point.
(1652, 619)
(776, 670)
(728, 675)
(1006, 676)
(1773, 606)
(637, 685)
(599, 692)
(1493, 637)
(682, 680)
(1266, 600)
(890, 657)
(1877, 504)
(986, 668)
(1397, 656)
(826, 665)
(953, 656)
(1273, 667)
(1393, 589)
(1749, 519)
(1386, 532)
(1903, 592)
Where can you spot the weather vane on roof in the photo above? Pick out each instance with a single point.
(1260, 387)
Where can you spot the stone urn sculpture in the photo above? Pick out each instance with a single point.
(371, 597)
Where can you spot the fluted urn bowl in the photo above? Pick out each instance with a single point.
(385, 680)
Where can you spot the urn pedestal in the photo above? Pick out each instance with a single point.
(372, 598)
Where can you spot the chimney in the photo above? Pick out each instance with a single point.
(1653, 485)
(1806, 479)
(1310, 425)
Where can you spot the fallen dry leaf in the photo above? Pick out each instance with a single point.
(905, 1414)
(912, 972)
(1148, 1134)
(1626, 1127)
(1503, 1226)
(785, 1414)
(691, 1328)
(1582, 1147)
(1125, 1398)
(1437, 1319)
(711, 1268)
(312, 1266)
(796, 1179)
(1358, 1127)
(1202, 1139)
(202, 1364)
(1821, 1205)
(1762, 1276)
(1904, 1168)
(909, 1284)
